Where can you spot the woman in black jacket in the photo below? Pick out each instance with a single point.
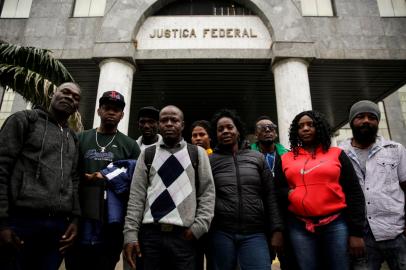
(246, 211)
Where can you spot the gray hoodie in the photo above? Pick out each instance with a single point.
(38, 160)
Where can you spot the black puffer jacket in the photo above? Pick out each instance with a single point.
(245, 195)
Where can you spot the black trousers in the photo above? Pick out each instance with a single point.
(164, 248)
(100, 256)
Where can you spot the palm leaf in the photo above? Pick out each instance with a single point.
(32, 72)
(31, 85)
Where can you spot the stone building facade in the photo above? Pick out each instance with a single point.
(275, 57)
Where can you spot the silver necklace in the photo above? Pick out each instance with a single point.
(103, 148)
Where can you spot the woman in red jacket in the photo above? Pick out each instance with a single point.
(325, 203)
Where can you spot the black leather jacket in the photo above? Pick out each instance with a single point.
(246, 201)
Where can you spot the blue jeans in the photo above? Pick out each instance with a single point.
(41, 236)
(326, 248)
(392, 251)
(250, 250)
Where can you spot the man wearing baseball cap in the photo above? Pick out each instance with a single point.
(112, 97)
(100, 240)
(380, 165)
(148, 126)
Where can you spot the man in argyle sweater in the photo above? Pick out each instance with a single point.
(168, 210)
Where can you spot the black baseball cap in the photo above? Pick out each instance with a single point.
(112, 97)
(150, 112)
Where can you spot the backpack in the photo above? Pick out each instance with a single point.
(193, 154)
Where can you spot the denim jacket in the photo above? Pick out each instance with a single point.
(119, 175)
(384, 198)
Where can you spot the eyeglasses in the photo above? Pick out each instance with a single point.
(271, 127)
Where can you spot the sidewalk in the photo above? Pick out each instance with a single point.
(275, 266)
(119, 266)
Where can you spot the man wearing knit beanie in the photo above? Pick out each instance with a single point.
(380, 165)
(364, 106)
(364, 120)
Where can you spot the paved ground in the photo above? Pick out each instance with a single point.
(119, 266)
(275, 266)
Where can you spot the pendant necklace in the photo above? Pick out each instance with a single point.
(103, 148)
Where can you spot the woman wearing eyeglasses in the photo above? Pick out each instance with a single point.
(246, 208)
(325, 201)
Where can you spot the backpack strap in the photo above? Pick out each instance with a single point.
(193, 154)
(194, 158)
(32, 117)
(149, 157)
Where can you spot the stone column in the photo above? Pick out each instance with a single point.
(394, 118)
(116, 74)
(2, 91)
(292, 92)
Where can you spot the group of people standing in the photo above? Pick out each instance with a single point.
(167, 203)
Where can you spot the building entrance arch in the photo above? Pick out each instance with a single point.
(182, 71)
(215, 60)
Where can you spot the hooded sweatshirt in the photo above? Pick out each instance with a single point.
(38, 161)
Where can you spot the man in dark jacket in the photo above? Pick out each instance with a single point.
(148, 118)
(265, 131)
(38, 184)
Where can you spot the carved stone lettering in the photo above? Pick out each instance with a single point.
(206, 33)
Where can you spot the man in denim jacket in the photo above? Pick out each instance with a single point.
(381, 168)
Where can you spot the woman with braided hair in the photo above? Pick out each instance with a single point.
(323, 200)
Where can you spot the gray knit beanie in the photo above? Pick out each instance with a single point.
(364, 106)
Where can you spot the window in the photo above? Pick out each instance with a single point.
(231, 10)
(204, 7)
(6, 105)
(392, 8)
(317, 8)
(89, 8)
(16, 9)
